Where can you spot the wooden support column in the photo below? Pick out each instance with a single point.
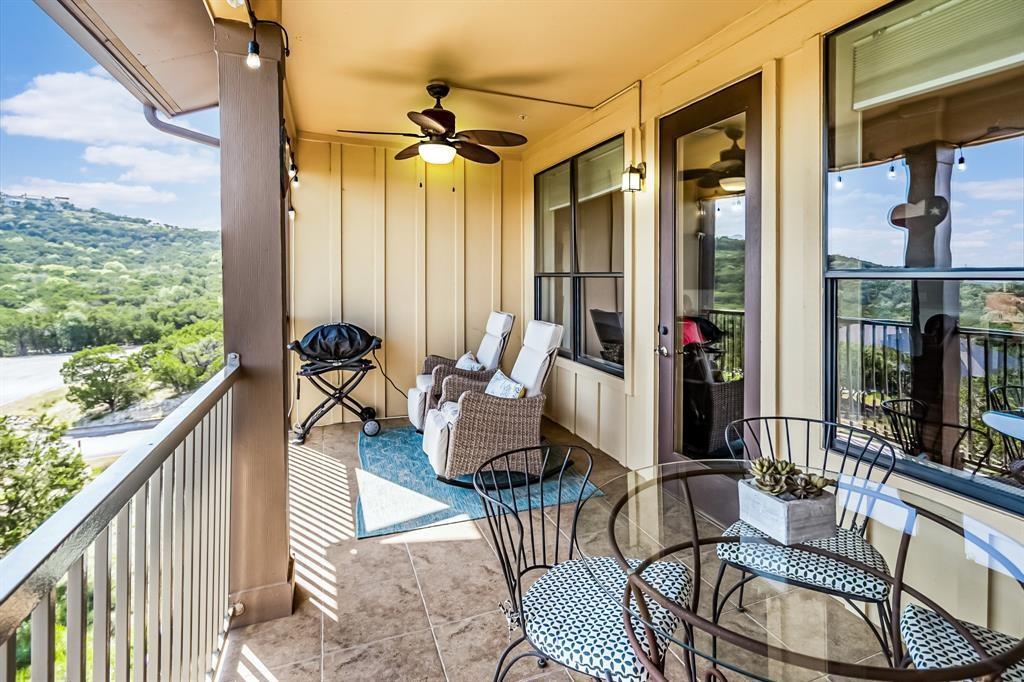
(255, 297)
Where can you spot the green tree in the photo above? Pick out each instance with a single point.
(103, 376)
(38, 474)
(186, 358)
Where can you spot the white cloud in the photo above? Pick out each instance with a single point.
(92, 194)
(79, 107)
(150, 165)
(1008, 189)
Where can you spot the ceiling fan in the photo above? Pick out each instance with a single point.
(440, 141)
(728, 172)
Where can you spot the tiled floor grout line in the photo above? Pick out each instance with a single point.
(423, 598)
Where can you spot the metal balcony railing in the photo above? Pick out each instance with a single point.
(874, 364)
(138, 560)
(730, 322)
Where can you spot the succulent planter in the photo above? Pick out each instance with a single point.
(785, 518)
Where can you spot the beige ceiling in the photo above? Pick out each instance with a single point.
(362, 64)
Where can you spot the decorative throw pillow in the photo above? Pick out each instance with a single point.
(500, 386)
(469, 362)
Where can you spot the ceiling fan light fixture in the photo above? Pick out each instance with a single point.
(436, 153)
(735, 183)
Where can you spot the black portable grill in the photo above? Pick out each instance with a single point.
(336, 348)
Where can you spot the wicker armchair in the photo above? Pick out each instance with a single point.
(423, 396)
(468, 427)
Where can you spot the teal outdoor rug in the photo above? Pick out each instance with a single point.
(399, 491)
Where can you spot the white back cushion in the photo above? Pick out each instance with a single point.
(532, 364)
(499, 325)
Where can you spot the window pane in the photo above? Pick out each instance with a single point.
(601, 302)
(904, 374)
(553, 244)
(913, 91)
(555, 305)
(599, 211)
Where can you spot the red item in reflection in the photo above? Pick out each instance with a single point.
(691, 333)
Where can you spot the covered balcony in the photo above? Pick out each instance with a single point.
(719, 211)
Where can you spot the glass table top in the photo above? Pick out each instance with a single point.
(791, 622)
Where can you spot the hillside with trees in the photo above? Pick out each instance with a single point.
(73, 278)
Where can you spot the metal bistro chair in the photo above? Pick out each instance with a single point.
(568, 608)
(1005, 398)
(907, 418)
(857, 456)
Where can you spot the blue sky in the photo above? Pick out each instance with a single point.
(987, 205)
(68, 129)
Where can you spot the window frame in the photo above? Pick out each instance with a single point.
(575, 276)
(954, 481)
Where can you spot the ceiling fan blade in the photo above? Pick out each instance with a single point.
(709, 181)
(693, 174)
(475, 152)
(493, 138)
(375, 132)
(426, 123)
(726, 165)
(409, 152)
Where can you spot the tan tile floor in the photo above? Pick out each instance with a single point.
(423, 605)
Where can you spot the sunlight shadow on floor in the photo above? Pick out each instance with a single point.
(457, 529)
(321, 513)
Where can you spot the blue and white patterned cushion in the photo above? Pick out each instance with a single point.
(933, 642)
(500, 386)
(469, 362)
(577, 620)
(792, 563)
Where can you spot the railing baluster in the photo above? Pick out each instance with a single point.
(76, 610)
(152, 629)
(101, 607)
(7, 658)
(42, 627)
(181, 455)
(138, 587)
(122, 589)
(202, 538)
(188, 532)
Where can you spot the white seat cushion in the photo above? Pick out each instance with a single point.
(808, 568)
(532, 364)
(450, 411)
(417, 400)
(499, 326)
(435, 440)
(933, 642)
(575, 620)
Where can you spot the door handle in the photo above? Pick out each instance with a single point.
(662, 351)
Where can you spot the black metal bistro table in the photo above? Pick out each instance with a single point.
(939, 559)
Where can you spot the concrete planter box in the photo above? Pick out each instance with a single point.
(790, 521)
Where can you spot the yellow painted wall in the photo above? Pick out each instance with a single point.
(418, 255)
(782, 41)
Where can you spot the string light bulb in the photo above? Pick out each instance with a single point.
(961, 163)
(839, 182)
(291, 212)
(293, 170)
(252, 60)
(892, 171)
(295, 180)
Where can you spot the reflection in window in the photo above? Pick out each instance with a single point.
(926, 173)
(579, 237)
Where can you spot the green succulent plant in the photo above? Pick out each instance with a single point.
(777, 477)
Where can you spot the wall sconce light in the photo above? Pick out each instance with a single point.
(633, 178)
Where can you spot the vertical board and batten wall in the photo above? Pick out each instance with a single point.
(416, 254)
